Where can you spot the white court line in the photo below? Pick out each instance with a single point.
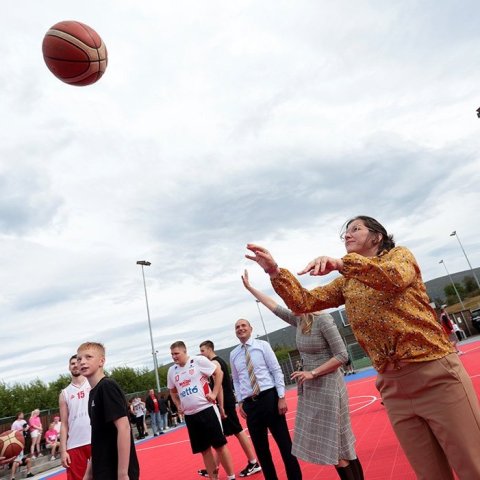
(364, 404)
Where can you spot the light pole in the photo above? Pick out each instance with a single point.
(144, 263)
(458, 296)
(453, 284)
(454, 234)
(261, 318)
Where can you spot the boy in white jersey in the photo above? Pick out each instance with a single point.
(75, 430)
(191, 393)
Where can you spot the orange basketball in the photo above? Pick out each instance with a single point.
(74, 53)
(11, 443)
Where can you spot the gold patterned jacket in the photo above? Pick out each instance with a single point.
(386, 303)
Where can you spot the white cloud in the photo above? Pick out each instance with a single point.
(215, 125)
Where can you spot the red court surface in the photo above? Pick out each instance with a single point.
(169, 456)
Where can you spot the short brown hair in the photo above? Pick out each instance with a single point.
(208, 344)
(178, 344)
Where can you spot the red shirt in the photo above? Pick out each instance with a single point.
(155, 403)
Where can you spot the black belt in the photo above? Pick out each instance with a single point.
(254, 398)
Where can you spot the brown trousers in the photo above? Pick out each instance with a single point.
(435, 414)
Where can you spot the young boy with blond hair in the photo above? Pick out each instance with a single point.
(113, 449)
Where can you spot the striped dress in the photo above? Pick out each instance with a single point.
(323, 433)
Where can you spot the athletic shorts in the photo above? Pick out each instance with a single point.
(79, 457)
(205, 430)
(22, 462)
(34, 433)
(231, 424)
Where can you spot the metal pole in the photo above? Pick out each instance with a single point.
(263, 323)
(143, 263)
(453, 284)
(455, 234)
(458, 296)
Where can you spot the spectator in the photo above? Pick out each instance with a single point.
(163, 412)
(348, 368)
(172, 409)
(57, 424)
(36, 430)
(138, 407)
(21, 461)
(51, 440)
(20, 423)
(447, 326)
(152, 404)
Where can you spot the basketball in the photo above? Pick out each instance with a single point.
(74, 53)
(11, 443)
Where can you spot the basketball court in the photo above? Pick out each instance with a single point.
(169, 456)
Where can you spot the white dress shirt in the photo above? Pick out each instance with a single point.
(265, 366)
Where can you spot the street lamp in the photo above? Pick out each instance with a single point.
(458, 296)
(261, 318)
(144, 263)
(454, 234)
(453, 284)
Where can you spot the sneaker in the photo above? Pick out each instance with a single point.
(204, 473)
(52, 458)
(33, 457)
(250, 469)
(40, 454)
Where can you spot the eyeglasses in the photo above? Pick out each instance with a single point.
(352, 230)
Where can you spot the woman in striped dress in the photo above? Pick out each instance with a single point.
(323, 433)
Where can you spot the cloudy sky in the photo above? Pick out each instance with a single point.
(219, 123)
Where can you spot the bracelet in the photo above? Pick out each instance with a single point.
(271, 270)
(314, 375)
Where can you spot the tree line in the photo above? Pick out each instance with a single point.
(26, 397)
(466, 289)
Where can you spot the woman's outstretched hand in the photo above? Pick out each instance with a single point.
(263, 257)
(246, 281)
(322, 266)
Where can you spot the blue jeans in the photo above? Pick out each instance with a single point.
(155, 419)
(164, 417)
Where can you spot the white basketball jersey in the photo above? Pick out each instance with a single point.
(79, 432)
(191, 382)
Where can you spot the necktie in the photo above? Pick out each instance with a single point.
(251, 373)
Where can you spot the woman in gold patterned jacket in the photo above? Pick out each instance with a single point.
(427, 393)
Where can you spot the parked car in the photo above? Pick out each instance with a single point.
(476, 318)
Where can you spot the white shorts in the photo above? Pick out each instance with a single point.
(35, 433)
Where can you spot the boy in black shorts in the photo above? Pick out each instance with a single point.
(193, 397)
(230, 421)
(113, 449)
